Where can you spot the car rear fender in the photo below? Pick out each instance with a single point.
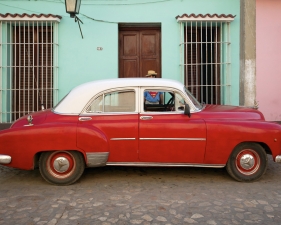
(23, 143)
(91, 139)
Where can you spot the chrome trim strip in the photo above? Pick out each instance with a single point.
(146, 117)
(95, 159)
(85, 118)
(175, 139)
(109, 113)
(278, 159)
(119, 139)
(5, 159)
(162, 113)
(94, 114)
(148, 164)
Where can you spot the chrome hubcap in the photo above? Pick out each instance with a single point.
(61, 164)
(247, 161)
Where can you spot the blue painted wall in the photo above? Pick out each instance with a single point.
(79, 59)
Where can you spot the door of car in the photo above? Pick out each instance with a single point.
(113, 116)
(166, 135)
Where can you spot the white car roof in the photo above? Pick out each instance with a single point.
(79, 96)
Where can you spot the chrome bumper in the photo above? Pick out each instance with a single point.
(5, 159)
(278, 159)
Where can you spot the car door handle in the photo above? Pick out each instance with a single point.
(146, 117)
(84, 118)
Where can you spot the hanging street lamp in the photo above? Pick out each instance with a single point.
(72, 7)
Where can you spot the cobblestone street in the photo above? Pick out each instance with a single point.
(129, 195)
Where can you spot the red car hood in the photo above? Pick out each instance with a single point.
(231, 112)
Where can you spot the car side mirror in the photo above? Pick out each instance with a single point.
(187, 110)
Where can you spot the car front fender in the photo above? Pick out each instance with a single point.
(224, 135)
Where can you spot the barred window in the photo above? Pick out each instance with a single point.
(28, 48)
(205, 56)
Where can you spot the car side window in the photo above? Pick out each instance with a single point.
(163, 101)
(117, 101)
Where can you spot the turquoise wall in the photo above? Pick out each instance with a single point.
(79, 59)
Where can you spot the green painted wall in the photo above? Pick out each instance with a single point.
(79, 60)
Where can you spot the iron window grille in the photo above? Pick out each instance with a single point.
(28, 64)
(205, 49)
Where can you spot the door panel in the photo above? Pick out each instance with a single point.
(123, 145)
(114, 116)
(139, 51)
(148, 63)
(130, 67)
(130, 41)
(129, 54)
(172, 138)
(150, 52)
(149, 43)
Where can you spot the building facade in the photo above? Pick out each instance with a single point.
(268, 58)
(43, 54)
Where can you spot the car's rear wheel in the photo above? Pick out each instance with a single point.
(247, 162)
(61, 167)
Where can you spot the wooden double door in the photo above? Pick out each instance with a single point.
(139, 51)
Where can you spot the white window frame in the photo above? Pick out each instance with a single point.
(85, 111)
(193, 109)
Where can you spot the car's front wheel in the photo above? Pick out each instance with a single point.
(247, 162)
(61, 167)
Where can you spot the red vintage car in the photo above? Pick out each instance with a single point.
(113, 122)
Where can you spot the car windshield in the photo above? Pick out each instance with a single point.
(193, 99)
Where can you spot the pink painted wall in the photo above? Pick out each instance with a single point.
(268, 25)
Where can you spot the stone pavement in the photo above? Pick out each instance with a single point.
(128, 195)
